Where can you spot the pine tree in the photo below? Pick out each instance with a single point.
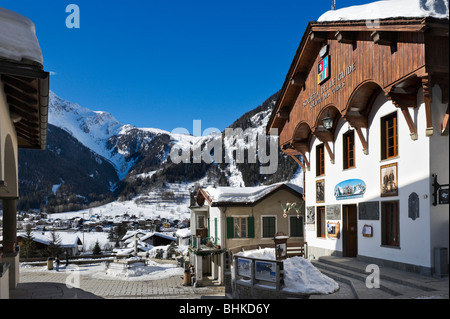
(28, 249)
(54, 248)
(97, 250)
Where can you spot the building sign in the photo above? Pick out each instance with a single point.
(324, 69)
(352, 188)
(443, 196)
(329, 88)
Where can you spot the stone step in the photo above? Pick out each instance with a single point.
(356, 278)
(357, 287)
(387, 274)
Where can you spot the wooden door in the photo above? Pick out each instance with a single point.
(350, 236)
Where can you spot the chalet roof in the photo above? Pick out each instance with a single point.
(244, 196)
(26, 84)
(346, 21)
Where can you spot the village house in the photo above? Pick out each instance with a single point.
(68, 243)
(24, 91)
(227, 218)
(364, 112)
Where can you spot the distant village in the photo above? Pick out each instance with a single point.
(43, 232)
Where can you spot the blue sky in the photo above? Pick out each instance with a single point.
(165, 63)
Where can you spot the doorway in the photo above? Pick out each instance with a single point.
(350, 231)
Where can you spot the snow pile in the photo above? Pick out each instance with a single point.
(244, 194)
(18, 39)
(300, 276)
(390, 9)
(139, 272)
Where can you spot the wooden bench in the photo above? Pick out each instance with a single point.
(297, 249)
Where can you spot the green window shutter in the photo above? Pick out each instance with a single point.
(230, 227)
(215, 229)
(296, 226)
(269, 227)
(251, 227)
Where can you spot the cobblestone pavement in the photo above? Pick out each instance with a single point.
(53, 285)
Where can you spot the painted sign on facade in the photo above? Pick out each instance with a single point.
(324, 69)
(351, 188)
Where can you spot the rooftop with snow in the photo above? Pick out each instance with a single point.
(18, 41)
(389, 9)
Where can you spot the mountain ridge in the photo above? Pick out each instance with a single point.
(140, 157)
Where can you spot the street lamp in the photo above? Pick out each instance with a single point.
(328, 121)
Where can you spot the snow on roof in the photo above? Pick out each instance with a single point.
(18, 39)
(159, 235)
(67, 240)
(390, 9)
(245, 195)
(183, 233)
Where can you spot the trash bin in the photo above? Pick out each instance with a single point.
(50, 263)
(187, 277)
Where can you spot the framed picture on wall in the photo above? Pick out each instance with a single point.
(320, 191)
(389, 180)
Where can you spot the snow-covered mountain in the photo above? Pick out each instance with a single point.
(142, 157)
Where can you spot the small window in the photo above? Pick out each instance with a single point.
(389, 137)
(320, 160)
(296, 226)
(321, 229)
(200, 222)
(268, 227)
(349, 149)
(390, 224)
(240, 227)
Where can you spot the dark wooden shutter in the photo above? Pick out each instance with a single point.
(251, 227)
(230, 227)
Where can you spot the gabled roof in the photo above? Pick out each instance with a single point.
(243, 196)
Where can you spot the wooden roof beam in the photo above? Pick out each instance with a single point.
(24, 114)
(325, 137)
(299, 80)
(10, 90)
(385, 38)
(404, 102)
(318, 36)
(283, 113)
(347, 37)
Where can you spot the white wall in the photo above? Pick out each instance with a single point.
(413, 176)
(439, 165)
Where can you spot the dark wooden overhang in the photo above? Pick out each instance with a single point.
(26, 86)
(402, 92)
